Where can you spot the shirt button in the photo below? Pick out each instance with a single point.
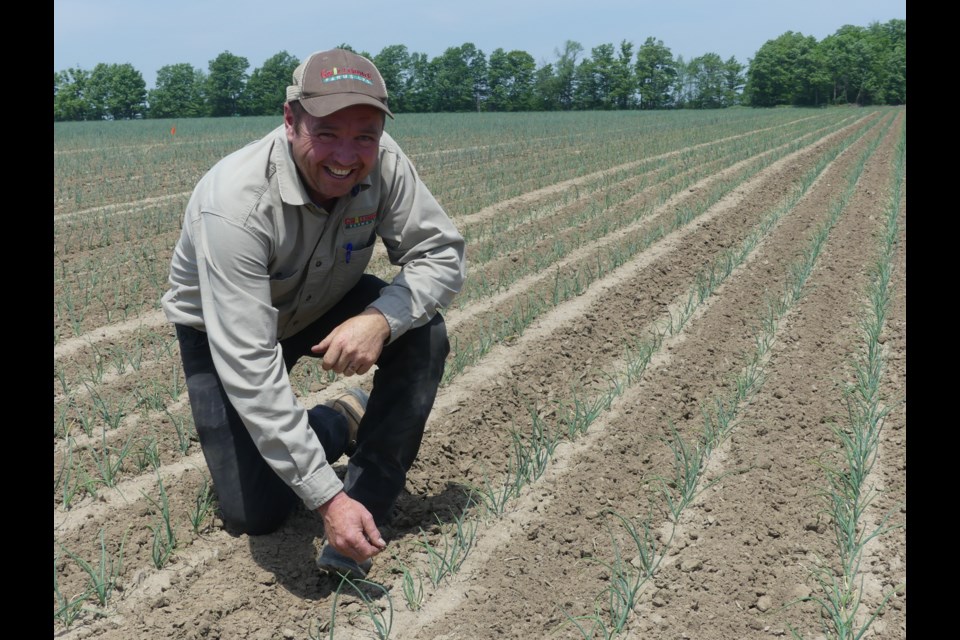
(308, 297)
(319, 262)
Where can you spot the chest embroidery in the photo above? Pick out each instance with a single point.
(359, 221)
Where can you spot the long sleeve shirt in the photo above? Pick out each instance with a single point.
(257, 261)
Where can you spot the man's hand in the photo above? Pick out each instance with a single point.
(354, 346)
(350, 528)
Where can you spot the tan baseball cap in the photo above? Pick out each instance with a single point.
(331, 80)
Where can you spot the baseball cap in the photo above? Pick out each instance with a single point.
(331, 80)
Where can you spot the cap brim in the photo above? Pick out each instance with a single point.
(321, 106)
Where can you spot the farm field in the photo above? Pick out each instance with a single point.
(674, 407)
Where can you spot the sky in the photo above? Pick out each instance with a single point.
(150, 34)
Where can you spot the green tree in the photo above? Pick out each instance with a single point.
(847, 56)
(867, 65)
(716, 83)
(266, 90)
(116, 91)
(623, 91)
(421, 86)
(586, 86)
(685, 86)
(596, 80)
(521, 86)
(459, 77)
(887, 82)
(812, 78)
(393, 62)
(733, 81)
(179, 92)
(545, 89)
(565, 70)
(510, 78)
(779, 72)
(656, 75)
(476, 61)
(69, 99)
(226, 81)
(452, 85)
(855, 64)
(499, 76)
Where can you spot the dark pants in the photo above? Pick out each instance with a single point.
(253, 499)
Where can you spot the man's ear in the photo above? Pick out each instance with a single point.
(288, 122)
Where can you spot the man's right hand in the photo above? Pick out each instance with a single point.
(350, 528)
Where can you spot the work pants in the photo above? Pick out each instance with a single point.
(252, 497)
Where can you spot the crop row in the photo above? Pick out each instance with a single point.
(536, 439)
(103, 410)
(674, 485)
(440, 550)
(89, 290)
(483, 157)
(576, 276)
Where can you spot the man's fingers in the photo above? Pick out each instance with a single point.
(341, 358)
(322, 346)
(354, 542)
(354, 346)
(332, 359)
(358, 551)
(360, 548)
(350, 528)
(358, 367)
(344, 361)
(371, 532)
(362, 370)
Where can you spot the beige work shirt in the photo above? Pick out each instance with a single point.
(257, 261)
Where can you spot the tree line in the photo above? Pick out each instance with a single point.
(861, 65)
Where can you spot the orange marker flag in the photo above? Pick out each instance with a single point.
(173, 131)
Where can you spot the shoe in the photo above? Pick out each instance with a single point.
(351, 405)
(334, 562)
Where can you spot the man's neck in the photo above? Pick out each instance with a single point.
(327, 204)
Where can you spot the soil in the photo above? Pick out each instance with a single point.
(738, 562)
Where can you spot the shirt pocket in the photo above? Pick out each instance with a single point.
(349, 265)
(284, 286)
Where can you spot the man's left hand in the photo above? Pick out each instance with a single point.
(354, 346)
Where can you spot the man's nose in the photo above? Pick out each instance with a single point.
(346, 152)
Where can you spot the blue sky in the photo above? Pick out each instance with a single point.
(151, 34)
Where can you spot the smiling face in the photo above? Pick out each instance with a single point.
(335, 152)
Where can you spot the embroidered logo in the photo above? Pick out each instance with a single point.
(332, 75)
(359, 221)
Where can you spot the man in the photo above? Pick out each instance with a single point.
(269, 268)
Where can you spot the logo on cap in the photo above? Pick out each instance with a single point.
(332, 75)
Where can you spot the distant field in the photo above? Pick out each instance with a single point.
(674, 405)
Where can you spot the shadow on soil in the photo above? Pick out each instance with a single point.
(290, 553)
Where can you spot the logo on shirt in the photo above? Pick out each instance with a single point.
(359, 221)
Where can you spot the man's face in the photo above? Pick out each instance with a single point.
(336, 152)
